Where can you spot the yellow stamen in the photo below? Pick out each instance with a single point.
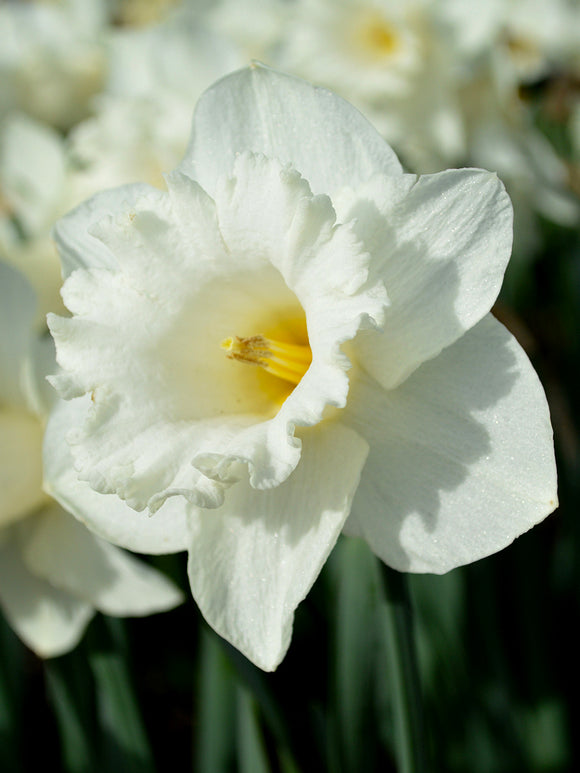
(287, 361)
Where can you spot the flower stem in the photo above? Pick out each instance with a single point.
(398, 634)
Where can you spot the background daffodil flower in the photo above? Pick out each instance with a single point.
(54, 573)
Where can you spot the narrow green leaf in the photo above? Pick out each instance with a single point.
(252, 756)
(355, 643)
(402, 668)
(124, 741)
(274, 714)
(10, 697)
(67, 685)
(546, 735)
(215, 737)
(258, 684)
(439, 603)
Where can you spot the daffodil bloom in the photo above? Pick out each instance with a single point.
(528, 38)
(139, 129)
(54, 573)
(52, 58)
(292, 341)
(504, 46)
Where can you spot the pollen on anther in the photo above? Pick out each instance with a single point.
(284, 360)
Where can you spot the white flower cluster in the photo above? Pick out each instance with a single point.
(447, 82)
(286, 337)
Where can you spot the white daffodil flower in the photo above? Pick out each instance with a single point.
(537, 180)
(182, 55)
(502, 138)
(142, 121)
(140, 129)
(292, 341)
(54, 573)
(260, 39)
(52, 58)
(528, 38)
(35, 189)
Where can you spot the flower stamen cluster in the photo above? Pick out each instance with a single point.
(284, 360)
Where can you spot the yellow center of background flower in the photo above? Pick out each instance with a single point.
(524, 52)
(140, 13)
(376, 36)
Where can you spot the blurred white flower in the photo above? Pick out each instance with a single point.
(181, 55)
(35, 188)
(440, 79)
(537, 180)
(374, 48)
(527, 38)
(257, 27)
(503, 47)
(52, 58)
(53, 572)
(292, 340)
(139, 130)
(142, 120)
(127, 141)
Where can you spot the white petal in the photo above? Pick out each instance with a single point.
(60, 550)
(252, 561)
(17, 313)
(474, 24)
(462, 457)
(326, 139)
(20, 465)
(106, 514)
(49, 621)
(76, 246)
(441, 244)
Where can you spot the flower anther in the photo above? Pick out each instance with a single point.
(282, 359)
